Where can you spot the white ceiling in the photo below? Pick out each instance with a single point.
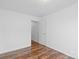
(36, 7)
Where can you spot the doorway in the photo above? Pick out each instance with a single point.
(35, 31)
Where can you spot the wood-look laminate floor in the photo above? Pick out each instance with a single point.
(37, 51)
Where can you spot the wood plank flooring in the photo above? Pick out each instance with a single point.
(37, 51)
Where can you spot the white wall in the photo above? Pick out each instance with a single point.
(59, 31)
(15, 31)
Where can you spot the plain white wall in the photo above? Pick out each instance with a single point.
(59, 31)
(15, 31)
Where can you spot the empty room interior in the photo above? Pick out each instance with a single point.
(38, 29)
